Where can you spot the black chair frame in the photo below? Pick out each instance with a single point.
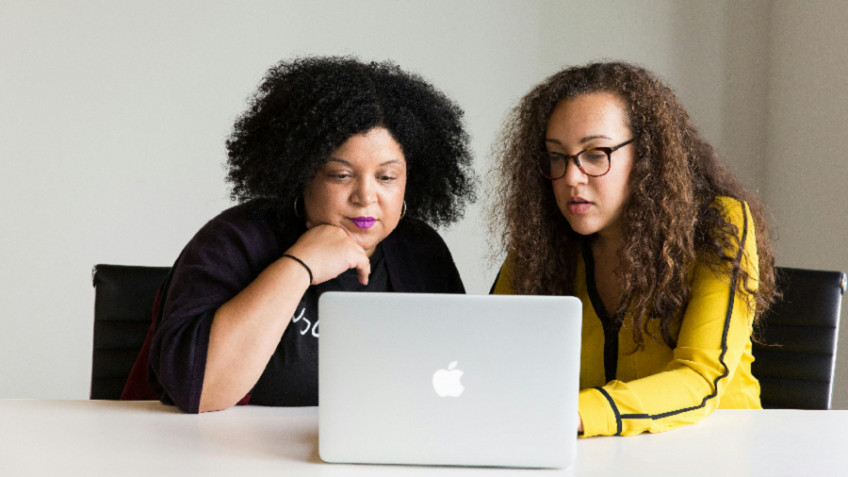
(795, 346)
(123, 312)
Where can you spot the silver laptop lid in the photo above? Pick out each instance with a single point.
(448, 379)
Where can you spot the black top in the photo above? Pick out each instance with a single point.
(226, 255)
(296, 357)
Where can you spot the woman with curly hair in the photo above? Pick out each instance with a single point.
(340, 168)
(607, 192)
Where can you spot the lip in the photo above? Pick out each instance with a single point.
(578, 205)
(364, 222)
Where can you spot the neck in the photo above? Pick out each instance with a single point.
(607, 243)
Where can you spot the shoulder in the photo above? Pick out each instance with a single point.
(250, 225)
(503, 281)
(245, 234)
(734, 210)
(736, 220)
(419, 260)
(738, 235)
(247, 217)
(417, 235)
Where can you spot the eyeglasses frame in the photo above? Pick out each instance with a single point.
(573, 157)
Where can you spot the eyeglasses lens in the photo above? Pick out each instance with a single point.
(594, 162)
(553, 165)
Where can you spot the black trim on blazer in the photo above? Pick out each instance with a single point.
(618, 424)
(611, 326)
(726, 330)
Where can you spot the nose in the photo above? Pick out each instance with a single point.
(366, 191)
(573, 174)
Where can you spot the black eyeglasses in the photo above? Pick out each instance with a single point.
(592, 161)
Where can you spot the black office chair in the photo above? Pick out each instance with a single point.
(123, 311)
(795, 358)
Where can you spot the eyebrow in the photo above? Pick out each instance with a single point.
(582, 141)
(347, 163)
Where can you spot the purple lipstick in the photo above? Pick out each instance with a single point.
(363, 222)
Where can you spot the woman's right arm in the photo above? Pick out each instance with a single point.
(246, 330)
(232, 277)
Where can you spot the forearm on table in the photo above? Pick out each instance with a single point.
(688, 390)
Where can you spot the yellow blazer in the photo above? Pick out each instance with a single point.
(658, 388)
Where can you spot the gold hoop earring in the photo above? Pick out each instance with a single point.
(403, 210)
(297, 212)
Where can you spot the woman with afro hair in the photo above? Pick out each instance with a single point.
(341, 169)
(607, 192)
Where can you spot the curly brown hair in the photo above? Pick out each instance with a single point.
(670, 222)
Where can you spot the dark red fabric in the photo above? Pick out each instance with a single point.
(137, 387)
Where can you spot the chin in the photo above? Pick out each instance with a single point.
(368, 238)
(581, 227)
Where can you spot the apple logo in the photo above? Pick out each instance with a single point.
(446, 381)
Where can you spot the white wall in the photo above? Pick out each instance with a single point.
(113, 117)
(806, 169)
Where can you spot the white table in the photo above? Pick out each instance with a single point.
(106, 438)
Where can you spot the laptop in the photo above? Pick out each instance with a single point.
(439, 379)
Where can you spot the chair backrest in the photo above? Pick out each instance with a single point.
(123, 311)
(796, 355)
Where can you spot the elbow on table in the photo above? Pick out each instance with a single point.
(212, 405)
(212, 399)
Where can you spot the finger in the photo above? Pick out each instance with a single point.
(363, 270)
